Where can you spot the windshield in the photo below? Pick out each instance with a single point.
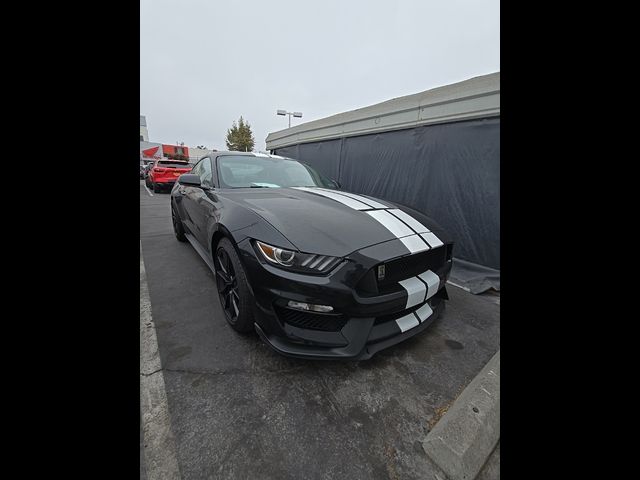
(268, 172)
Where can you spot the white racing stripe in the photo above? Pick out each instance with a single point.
(409, 220)
(431, 239)
(349, 202)
(416, 291)
(424, 312)
(360, 198)
(433, 282)
(414, 243)
(413, 234)
(407, 322)
(391, 223)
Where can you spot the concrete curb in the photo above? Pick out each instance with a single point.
(463, 439)
(160, 456)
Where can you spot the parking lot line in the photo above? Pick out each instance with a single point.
(148, 191)
(160, 456)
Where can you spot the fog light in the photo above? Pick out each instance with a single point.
(309, 307)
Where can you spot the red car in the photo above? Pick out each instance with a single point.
(164, 173)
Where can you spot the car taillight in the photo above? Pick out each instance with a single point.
(159, 170)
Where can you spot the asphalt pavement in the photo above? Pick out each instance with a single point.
(239, 410)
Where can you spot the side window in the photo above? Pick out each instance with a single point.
(197, 169)
(206, 173)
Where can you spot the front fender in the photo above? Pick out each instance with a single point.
(240, 223)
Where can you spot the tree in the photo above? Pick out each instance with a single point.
(240, 137)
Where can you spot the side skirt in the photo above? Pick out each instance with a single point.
(201, 251)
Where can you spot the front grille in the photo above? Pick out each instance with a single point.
(401, 269)
(411, 265)
(312, 321)
(433, 302)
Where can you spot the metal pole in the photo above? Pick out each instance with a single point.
(289, 120)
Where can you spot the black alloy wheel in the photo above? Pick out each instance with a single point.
(178, 229)
(233, 290)
(227, 286)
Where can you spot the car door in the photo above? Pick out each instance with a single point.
(200, 203)
(184, 195)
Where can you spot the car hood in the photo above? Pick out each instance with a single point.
(314, 223)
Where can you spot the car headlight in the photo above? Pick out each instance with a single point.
(303, 262)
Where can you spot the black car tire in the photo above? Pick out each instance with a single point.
(230, 278)
(156, 187)
(178, 228)
(146, 182)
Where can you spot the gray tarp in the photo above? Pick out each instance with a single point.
(451, 172)
(473, 277)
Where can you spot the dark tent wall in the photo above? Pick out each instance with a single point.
(449, 171)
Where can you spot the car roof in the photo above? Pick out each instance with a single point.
(245, 154)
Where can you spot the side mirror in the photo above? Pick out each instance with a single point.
(189, 179)
(336, 183)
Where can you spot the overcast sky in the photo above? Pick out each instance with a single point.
(203, 63)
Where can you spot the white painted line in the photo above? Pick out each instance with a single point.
(160, 458)
(148, 191)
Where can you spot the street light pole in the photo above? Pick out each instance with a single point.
(284, 112)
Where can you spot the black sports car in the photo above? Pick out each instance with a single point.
(316, 271)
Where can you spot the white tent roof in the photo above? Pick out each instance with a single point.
(478, 97)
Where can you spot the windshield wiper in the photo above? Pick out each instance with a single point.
(258, 186)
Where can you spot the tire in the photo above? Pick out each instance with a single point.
(231, 282)
(156, 187)
(146, 182)
(178, 228)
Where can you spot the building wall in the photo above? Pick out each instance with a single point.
(148, 145)
(144, 133)
(196, 153)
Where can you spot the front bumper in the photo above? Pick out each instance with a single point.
(363, 322)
